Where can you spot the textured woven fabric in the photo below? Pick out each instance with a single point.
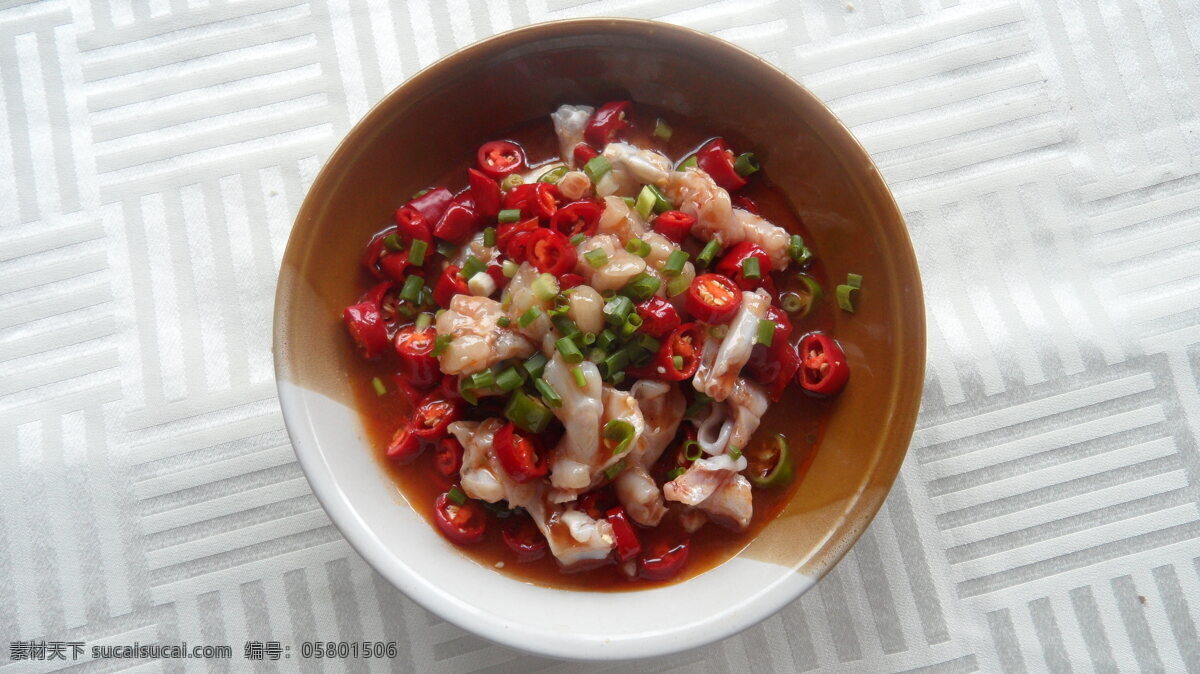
(154, 152)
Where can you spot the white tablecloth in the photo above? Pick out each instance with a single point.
(154, 152)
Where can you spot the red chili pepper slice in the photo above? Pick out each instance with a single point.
(433, 415)
(404, 446)
(395, 265)
(462, 524)
(823, 367)
(686, 342)
(367, 328)
(713, 298)
(675, 225)
(458, 224)
(543, 202)
(597, 502)
(659, 317)
(579, 217)
(583, 153)
(732, 263)
(411, 224)
(745, 203)
(568, 281)
(417, 363)
(518, 198)
(628, 545)
(375, 250)
(485, 192)
(551, 252)
(716, 159)
(449, 284)
(663, 561)
(522, 536)
(377, 293)
(433, 204)
(507, 231)
(449, 388)
(773, 366)
(610, 119)
(520, 456)
(449, 456)
(500, 158)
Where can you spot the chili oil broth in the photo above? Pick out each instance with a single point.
(799, 417)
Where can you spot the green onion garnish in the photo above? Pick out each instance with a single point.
(620, 432)
(509, 268)
(511, 182)
(465, 390)
(545, 287)
(406, 310)
(529, 317)
(471, 267)
(504, 321)
(440, 344)
(791, 302)
(455, 494)
(750, 269)
(641, 287)
(597, 258)
(614, 470)
(596, 168)
(617, 310)
(509, 380)
(416, 252)
(535, 364)
(529, 414)
(420, 193)
(734, 453)
(674, 263)
(799, 252)
(446, 249)
(662, 130)
(687, 163)
(661, 202)
(483, 380)
(674, 473)
(570, 353)
(638, 247)
(424, 320)
(645, 202)
(616, 363)
(718, 331)
(746, 164)
(393, 243)
(844, 298)
(565, 326)
(489, 236)
(509, 215)
(629, 201)
(605, 339)
(677, 285)
(677, 361)
(766, 332)
(553, 175)
(578, 239)
(548, 393)
(580, 378)
(411, 291)
(854, 280)
(692, 450)
(706, 256)
(379, 386)
(589, 338)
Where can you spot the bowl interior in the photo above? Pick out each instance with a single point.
(435, 119)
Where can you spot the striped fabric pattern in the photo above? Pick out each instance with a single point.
(1046, 154)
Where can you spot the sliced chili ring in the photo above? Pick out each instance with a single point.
(411, 224)
(449, 456)
(659, 317)
(579, 217)
(433, 415)
(628, 545)
(675, 225)
(551, 252)
(366, 326)
(663, 561)
(521, 456)
(432, 204)
(745, 203)
(463, 524)
(607, 122)
(485, 192)
(583, 153)
(449, 284)
(499, 158)
(713, 298)
(523, 537)
(773, 366)
(375, 250)
(685, 342)
(458, 223)
(770, 463)
(543, 201)
(404, 446)
(417, 362)
(823, 367)
(568, 281)
(733, 265)
(597, 502)
(508, 231)
(716, 159)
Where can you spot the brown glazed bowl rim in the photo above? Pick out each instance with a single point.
(896, 423)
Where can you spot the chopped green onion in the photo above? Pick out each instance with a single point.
(661, 202)
(567, 349)
(438, 313)
(529, 414)
(687, 163)
(791, 302)
(635, 320)
(411, 291)
(629, 201)
(596, 168)
(631, 326)
(424, 320)
(406, 310)
(696, 408)
(750, 269)
(678, 285)
(854, 280)
(746, 164)
(621, 432)
(511, 181)
(483, 380)
(465, 390)
(420, 193)
(638, 247)
(596, 355)
(734, 453)
(471, 267)
(548, 393)
(641, 287)
(509, 215)
(455, 494)
(766, 332)
(844, 298)
(416, 252)
(645, 202)
(677, 361)
(718, 331)
(617, 378)
(529, 317)
(617, 310)
(489, 236)
(589, 338)
(616, 362)
(688, 452)
(535, 365)
(597, 258)
(446, 249)
(614, 470)
(509, 380)
(504, 321)
(674, 263)
(440, 344)
(799, 252)
(565, 326)
(580, 378)
(674, 473)
(805, 300)
(393, 243)
(662, 130)
(545, 287)
(380, 387)
(606, 338)
(706, 256)
(553, 175)
(509, 269)
(578, 239)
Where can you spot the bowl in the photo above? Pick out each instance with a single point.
(438, 117)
